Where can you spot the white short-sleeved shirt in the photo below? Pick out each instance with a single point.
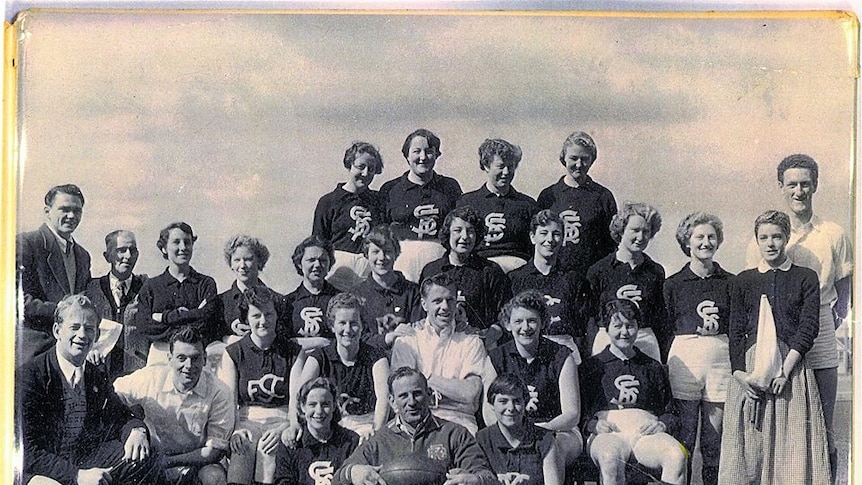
(819, 245)
(180, 422)
(448, 354)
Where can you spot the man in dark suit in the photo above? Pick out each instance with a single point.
(111, 294)
(73, 427)
(51, 266)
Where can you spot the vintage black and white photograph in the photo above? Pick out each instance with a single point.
(434, 247)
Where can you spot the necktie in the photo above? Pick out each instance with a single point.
(76, 378)
(119, 292)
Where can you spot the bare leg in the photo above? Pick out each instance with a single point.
(661, 450)
(611, 454)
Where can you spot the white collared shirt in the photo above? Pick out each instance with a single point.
(68, 369)
(65, 245)
(764, 267)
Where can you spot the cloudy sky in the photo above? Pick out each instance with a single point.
(238, 122)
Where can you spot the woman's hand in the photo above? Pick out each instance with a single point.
(778, 385)
(744, 380)
(240, 441)
(290, 436)
(605, 426)
(652, 427)
(270, 438)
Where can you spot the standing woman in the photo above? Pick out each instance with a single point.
(773, 424)
(416, 203)
(304, 307)
(246, 256)
(698, 307)
(263, 371)
(504, 211)
(585, 206)
(345, 215)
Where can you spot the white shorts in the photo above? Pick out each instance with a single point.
(348, 270)
(508, 263)
(699, 367)
(646, 342)
(415, 255)
(628, 421)
(824, 353)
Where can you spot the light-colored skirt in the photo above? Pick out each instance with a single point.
(790, 446)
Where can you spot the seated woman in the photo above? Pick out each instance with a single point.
(482, 285)
(389, 301)
(774, 430)
(178, 297)
(627, 413)
(517, 450)
(416, 202)
(303, 307)
(246, 256)
(358, 371)
(323, 445)
(631, 274)
(345, 215)
(698, 308)
(548, 369)
(585, 206)
(505, 211)
(567, 296)
(262, 370)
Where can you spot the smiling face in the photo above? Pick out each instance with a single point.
(262, 319)
(509, 409)
(187, 361)
(636, 235)
(772, 242)
(362, 171)
(440, 305)
(525, 325)
(703, 242)
(315, 265)
(500, 174)
(179, 247)
(318, 408)
(122, 255)
(76, 334)
(347, 326)
(409, 399)
(64, 214)
(578, 161)
(622, 332)
(462, 237)
(798, 188)
(244, 265)
(547, 239)
(421, 157)
(380, 259)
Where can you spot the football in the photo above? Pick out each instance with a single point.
(413, 470)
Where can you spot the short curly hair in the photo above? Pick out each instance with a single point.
(775, 217)
(543, 218)
(627, 308)
(528, 299)
(508, 152)
(313, 241)
(260, 297)
(432, 139)
(258, 249)
(798, 160)
(629, 209)
(360, 147)
(381, 236)
(162, 242)
(689, 222)
(510, 385)
(342, 301)
(467, 214)
(581, 139)
(319, 383)
(76, 301)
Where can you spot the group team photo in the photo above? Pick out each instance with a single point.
(516, 263)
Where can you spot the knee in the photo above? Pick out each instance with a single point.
(609, 456)
(674, 456)
(569, 445)
(212, 474)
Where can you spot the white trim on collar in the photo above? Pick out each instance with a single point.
(763, 267)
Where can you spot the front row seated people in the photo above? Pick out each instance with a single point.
(262, 371)
(548, 369)
(189, 412)
(417, 432)
(452, 361)
(74, 428)
(629, 413)
(518, 450)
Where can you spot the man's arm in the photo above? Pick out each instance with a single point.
(466, 392)
(37, 308)
(200, 456)
(842, 305)
(359, 462)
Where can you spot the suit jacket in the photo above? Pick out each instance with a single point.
(40, 413)
(44, 283)
(99, 292)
